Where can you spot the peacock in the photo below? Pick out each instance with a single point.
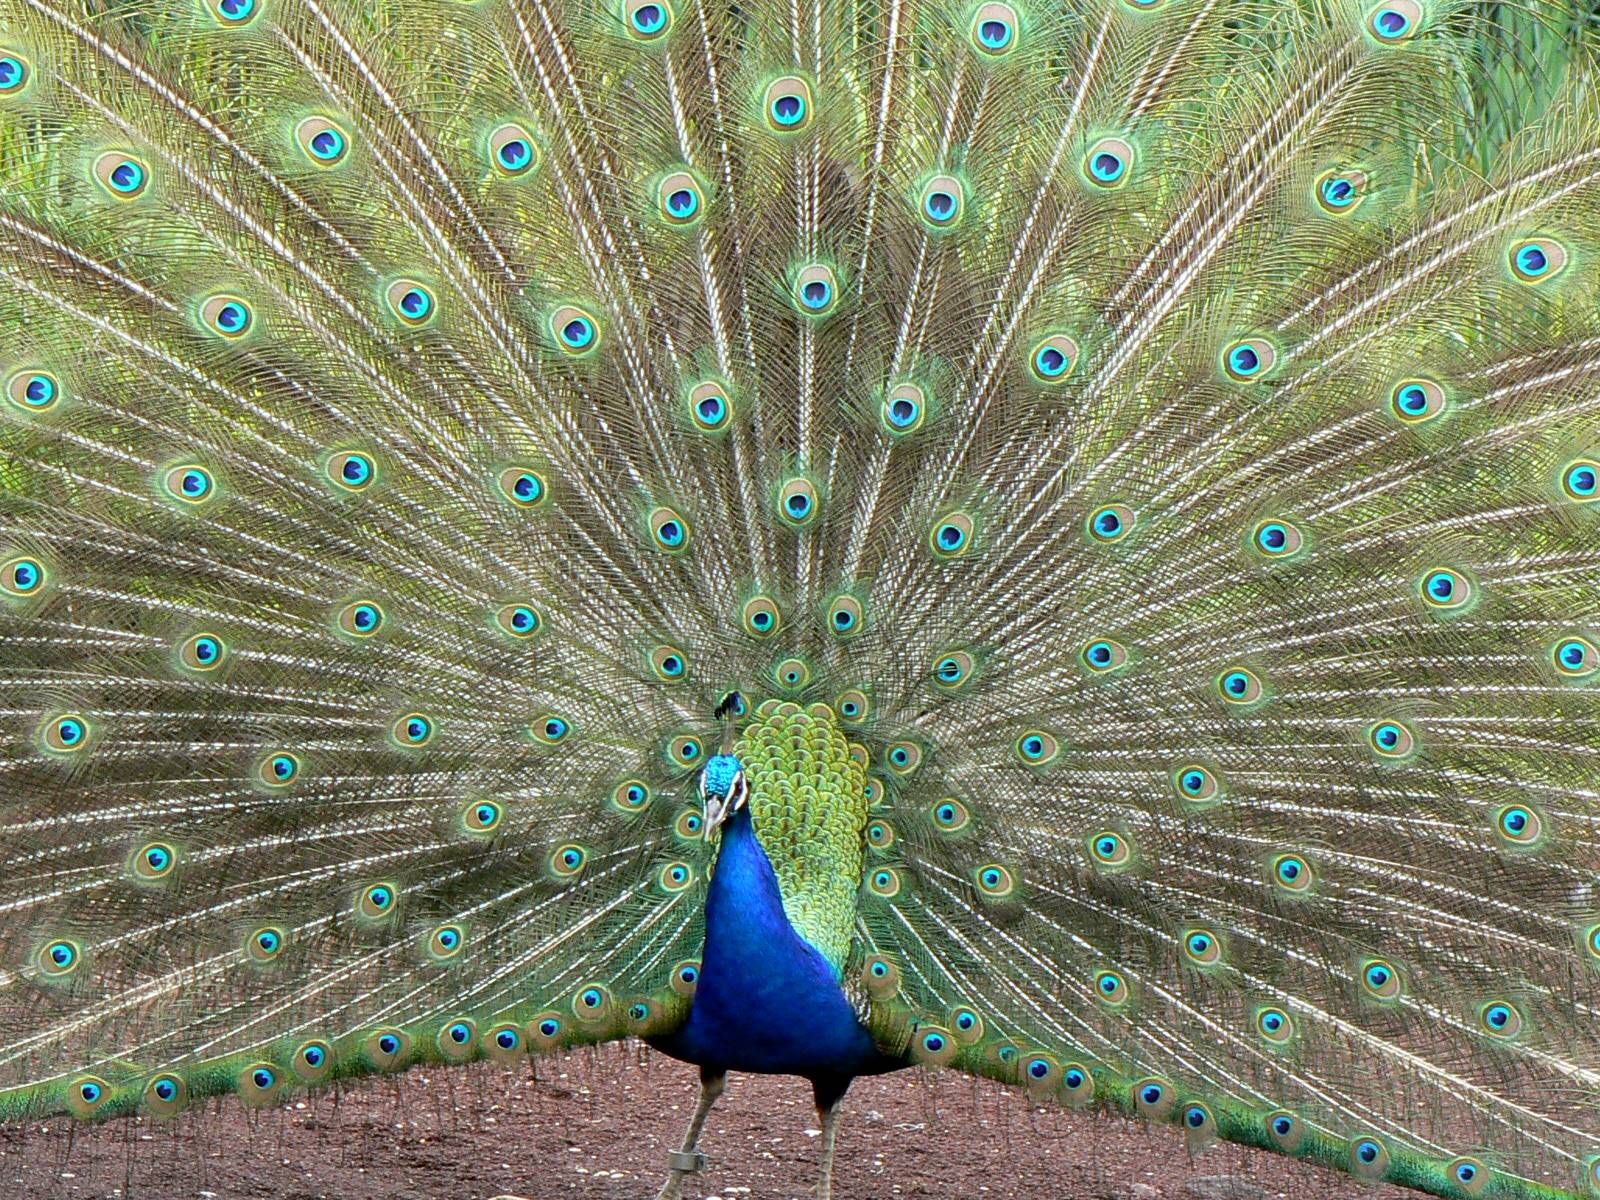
(1059, 541)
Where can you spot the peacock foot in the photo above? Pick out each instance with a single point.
(680, 1163)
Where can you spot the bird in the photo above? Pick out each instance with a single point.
(1051, 541)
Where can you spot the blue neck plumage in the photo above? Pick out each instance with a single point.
(767, 999)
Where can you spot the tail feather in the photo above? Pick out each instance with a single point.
(1161, 453)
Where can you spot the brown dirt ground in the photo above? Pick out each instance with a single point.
(597, 1126)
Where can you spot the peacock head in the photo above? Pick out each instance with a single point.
(723, 790)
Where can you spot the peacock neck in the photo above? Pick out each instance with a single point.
(767, 999)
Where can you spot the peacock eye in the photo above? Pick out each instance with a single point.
(1394, 22)
(994, 30)
(124, 176)
(942, 202)
(1111, 523)
(1037, 748)
(951, 535)
(1415, 401)
(1276, 539)
(1519, 825)
(232, 12)
(668, 530)
(352, 470)
(22, 576)
(550, 729)
(1380, 980)
(1581, 480)
(575, 330)
(1445, 589)
(33, 391)
(14, 73)
(227, 316)
(1107, 163)
(411, 303)
(798, 502)
(323, 142)
(949, 815)
(1341, 192)
(1249, 360)
(816, 290)
(1053, 358)
(788, 104)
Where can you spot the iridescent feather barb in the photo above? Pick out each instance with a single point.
(1118, 481)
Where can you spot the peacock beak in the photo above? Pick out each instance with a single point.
(715, 808)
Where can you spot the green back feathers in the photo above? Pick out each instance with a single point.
(1164, 436)
(808, 798)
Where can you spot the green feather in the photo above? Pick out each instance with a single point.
(1139, 459)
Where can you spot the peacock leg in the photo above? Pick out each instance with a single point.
(830, 1106)
(688, 1159)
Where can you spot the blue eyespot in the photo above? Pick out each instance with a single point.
(193, 483)
(263, 1078)
(1111, 523)
(816, 289)
(591, 998)
(950, 815)
(1581, 480)
(1201, 946)
(650, 18)
(1340, 192)
(313, 1056)
(13, 74)
(1380, 979)
(322, 141)
(1445, 589)
(1274, 1025)
(123, 176)
(1394, 22)
(59, 958)
(575, 330)
(512, 151)
(1537, 260)
(1248, 360)
(669, 530)
(1053, 358)
(1106, 164)
(788, 104)
(1277, 539)
(518, 620)
(33, 391)
(227, 316)
(1151, 1094)
(797, 501)
(1575, 657)
(1292, 873)
(950, 536)
(904, 408)
(1194, 783)
(994, 29)
(460, 1033)
(352, 471)
(234, 12)
(549, 1027)
(22, 576)
(1240, 686)
(1519, 825)
(1036, 747)
(679, 200)
(66, 735)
